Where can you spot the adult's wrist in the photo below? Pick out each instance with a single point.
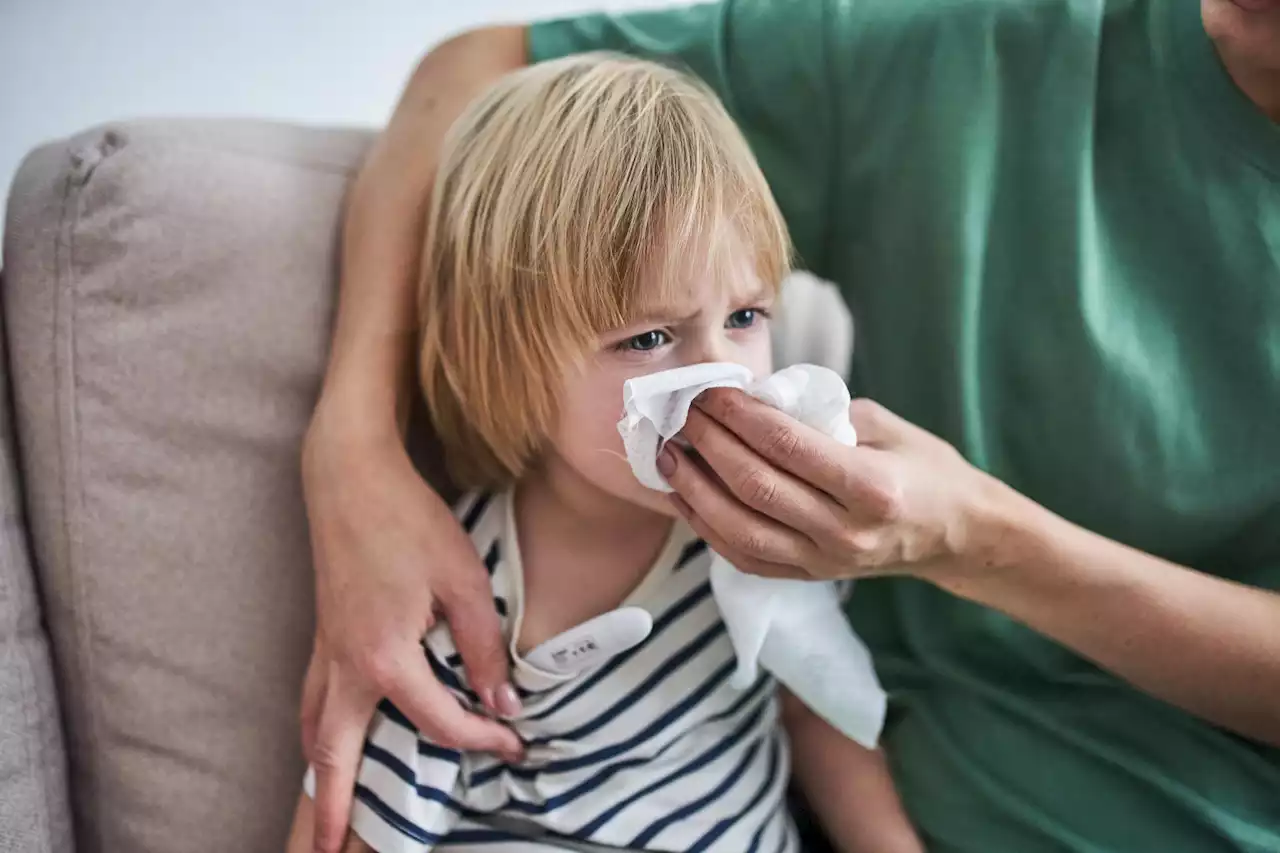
(1004, 531)
(350, 426)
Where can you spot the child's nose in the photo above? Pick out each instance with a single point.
(712, 348)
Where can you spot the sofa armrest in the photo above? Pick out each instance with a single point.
(34, 811)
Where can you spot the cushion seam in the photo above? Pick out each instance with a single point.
(72, 495)
(303, 164)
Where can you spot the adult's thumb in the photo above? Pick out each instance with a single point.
(313, 693)
(476, 629)
(875, 425)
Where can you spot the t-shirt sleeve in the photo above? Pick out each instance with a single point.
(768, 62)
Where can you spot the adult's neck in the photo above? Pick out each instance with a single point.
(1246, 34)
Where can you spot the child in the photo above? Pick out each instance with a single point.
(594, 219)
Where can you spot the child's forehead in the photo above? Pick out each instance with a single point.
(671, 294)
(698, 270)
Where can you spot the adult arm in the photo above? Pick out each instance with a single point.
(847, 786)
(389, 554)
(789, 501)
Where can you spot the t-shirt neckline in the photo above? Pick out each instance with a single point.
(679, 537)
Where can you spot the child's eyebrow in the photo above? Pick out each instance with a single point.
(675, 315)
(760, 294)
(658, 316)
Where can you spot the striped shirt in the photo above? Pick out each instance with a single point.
(649, 750)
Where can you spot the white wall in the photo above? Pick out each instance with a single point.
(69, 64)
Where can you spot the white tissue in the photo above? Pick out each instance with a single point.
(796, 630)
(656, 406)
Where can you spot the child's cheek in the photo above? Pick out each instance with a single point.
(593, 406)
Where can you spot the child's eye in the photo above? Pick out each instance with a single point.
(745, 318)
(646, 341)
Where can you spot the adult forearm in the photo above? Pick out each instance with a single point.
(371, 366)
(1207, 645)
(788, 501)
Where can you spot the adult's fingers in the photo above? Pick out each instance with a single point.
(313, 691)
(740, 561)
(477, 632)
(727, 521)
(786, 442)
(335, 758)
(414, 690)
(855, 478)
(759, 484)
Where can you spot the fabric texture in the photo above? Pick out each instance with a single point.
(35, 815)
(1056, 223)
(168, 299)
(654, 749)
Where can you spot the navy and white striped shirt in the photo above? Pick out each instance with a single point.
(651, 750)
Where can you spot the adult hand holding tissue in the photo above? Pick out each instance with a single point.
(794, 629)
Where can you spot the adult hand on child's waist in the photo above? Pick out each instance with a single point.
(389, 558)
(779, 498)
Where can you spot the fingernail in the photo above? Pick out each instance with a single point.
(667, 462)
(486, 699)
(507, 701)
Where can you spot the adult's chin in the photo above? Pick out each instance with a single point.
(1257, 5)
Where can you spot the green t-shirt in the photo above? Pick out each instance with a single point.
(1058, 226)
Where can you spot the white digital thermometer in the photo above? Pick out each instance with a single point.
(592, 642)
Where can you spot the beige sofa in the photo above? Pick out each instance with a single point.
(167, 298)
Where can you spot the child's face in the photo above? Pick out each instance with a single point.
(710, 322)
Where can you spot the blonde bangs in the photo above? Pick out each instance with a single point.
(573, 196)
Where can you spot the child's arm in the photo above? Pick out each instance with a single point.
(847, 786)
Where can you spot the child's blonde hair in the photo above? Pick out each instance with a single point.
(568, 198)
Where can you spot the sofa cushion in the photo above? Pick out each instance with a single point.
(169, 301)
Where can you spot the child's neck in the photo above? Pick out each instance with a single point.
(583, 551)
(560, 504)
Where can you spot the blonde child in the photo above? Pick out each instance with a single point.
(595, 219)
